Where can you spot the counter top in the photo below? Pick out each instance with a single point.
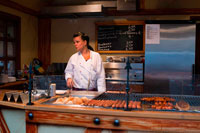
(98, 111)
(84, 116)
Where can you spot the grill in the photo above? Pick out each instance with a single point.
(102, 100)
(194, 101)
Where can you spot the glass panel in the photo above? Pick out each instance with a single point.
(1, 49)
(1, 66)
(2, 29)
(10, 30)
(11, 68)
(10, 49)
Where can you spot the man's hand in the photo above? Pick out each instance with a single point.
(70, 83)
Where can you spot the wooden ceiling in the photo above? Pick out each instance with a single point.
(144, 7)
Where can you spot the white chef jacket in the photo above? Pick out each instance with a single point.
(86, 74)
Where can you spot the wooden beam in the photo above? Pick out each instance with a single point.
(114, 12)
(141, 4)
(19, 7)
(44, 41)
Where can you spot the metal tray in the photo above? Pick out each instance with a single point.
(88, 94)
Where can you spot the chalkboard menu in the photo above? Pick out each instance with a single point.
(123, 37)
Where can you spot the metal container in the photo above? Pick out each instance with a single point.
(52, 89)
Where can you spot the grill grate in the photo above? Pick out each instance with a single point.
(194, 101)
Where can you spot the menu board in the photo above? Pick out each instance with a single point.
(121, 37)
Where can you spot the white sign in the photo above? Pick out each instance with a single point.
(152, 34)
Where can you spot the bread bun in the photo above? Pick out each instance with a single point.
(84, 99)
(182, 105)
(59, 101)
(66, 100)
(77, 100)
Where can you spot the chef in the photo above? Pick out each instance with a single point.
(84, 70)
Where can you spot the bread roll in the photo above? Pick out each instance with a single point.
(59, 101)
(77, 100)
(84, 99)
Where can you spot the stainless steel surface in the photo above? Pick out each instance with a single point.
(114, 65)
(88, 94)
(19, 97)
(134, 75)
(117, 72)
(115, 59)
(172, 59)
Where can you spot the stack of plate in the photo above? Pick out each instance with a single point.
(11, 79)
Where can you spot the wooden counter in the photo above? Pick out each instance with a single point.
(136, 120)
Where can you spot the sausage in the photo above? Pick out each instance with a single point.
(134, 105)
(110, 103)
(122, 104)
(129, 104)
(138, 105)
(118, 104)
(114, 104)
(106, 103)
(98, 103)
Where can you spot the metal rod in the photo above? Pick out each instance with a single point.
(30, 84)
(128, 66)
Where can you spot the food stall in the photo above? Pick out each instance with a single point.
(122, 108)
(116, 111)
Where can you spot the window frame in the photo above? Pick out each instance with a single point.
(16, 21)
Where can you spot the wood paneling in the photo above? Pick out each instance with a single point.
(126, 123)
(44, 41)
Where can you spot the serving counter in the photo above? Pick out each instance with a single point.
(57, 117)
